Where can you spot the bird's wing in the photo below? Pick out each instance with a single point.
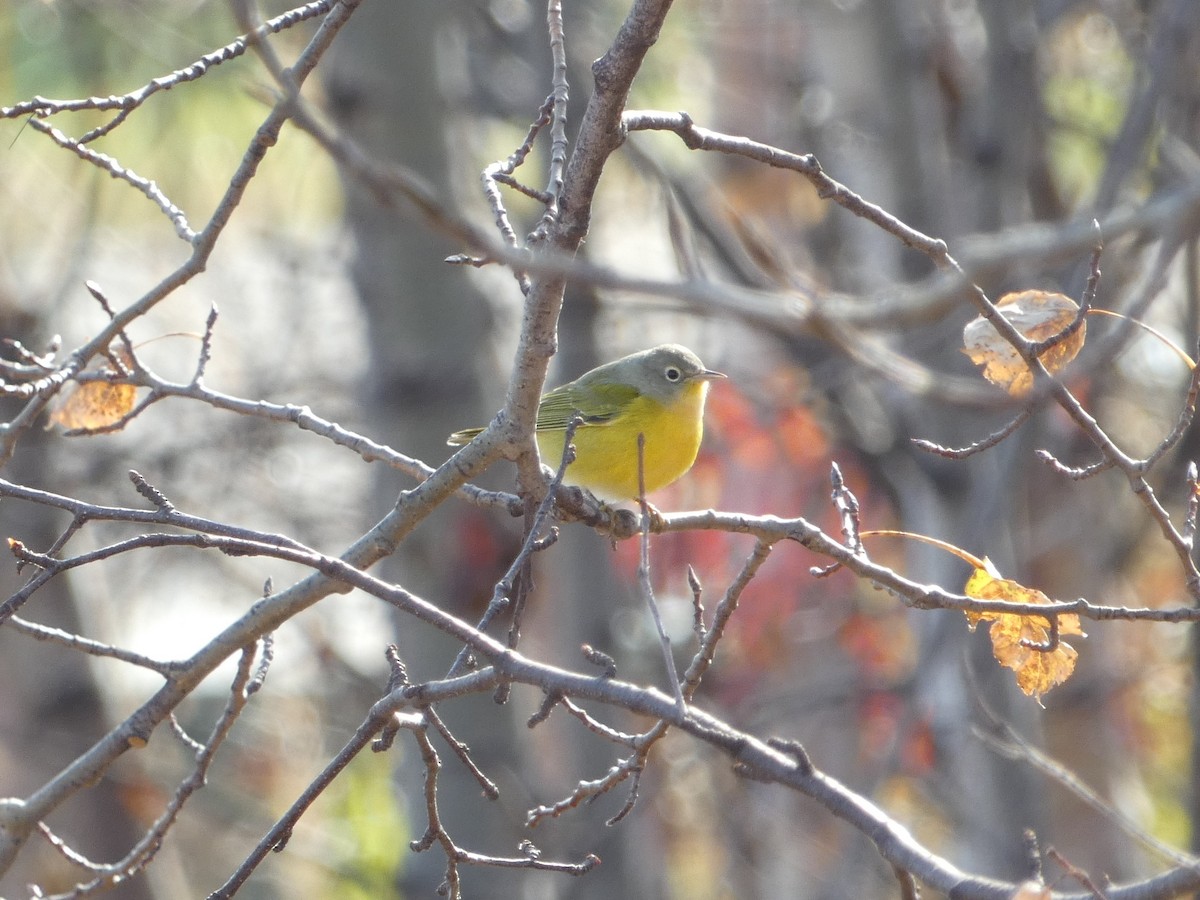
(463, 437)
(600, 407)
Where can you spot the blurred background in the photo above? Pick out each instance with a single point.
(1001, 126)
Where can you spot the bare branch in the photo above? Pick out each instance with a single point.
(107, 164)
(147, 847)
(558, 118)
(979, 446)
(697, 138)
(647, 587)
(91, 647)
(43, 106)
(1007, 742)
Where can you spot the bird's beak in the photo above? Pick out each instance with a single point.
(710, 375)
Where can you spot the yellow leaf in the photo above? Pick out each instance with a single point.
(1012, 635)
(98, 403)
(1037, 315)
(95, 404)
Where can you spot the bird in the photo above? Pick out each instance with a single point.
(658, 393)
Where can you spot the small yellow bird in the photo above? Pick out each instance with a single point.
(659, 393)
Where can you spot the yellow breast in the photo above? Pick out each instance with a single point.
(606, 460)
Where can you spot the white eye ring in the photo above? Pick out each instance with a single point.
(672, 373)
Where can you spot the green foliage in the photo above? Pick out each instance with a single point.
(1086, 92)
(372, 831)
(190, 138)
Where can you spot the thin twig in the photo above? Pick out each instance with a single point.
(463, 752)
(724, 612)
(110, 165)
(91, 647)
(600, 658)
(124, 103)
(1184, 421)
(205, 354)
(846, 505)
(277, 837)
(1085, 304)
(643, 574)
(696, 138)
(698, 626)
(144, 851)
(1012, 745)
(435, 831)
(1077, 874)
(558, 119)
(1193, 504)
(501, 594)
(979, 446)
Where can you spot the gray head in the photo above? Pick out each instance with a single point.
(661, 372)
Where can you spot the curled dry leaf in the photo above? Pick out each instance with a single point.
(1037, 670)
(1038, 315)
(96, 404)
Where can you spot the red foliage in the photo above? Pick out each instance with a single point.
(769, 454)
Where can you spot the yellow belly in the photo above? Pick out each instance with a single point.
(606, 460)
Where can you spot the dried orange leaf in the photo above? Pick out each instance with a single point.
(98, 404)
(1038, 315)
(1037, 670)
(95, 404)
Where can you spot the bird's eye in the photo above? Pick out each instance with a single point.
(672, 373)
